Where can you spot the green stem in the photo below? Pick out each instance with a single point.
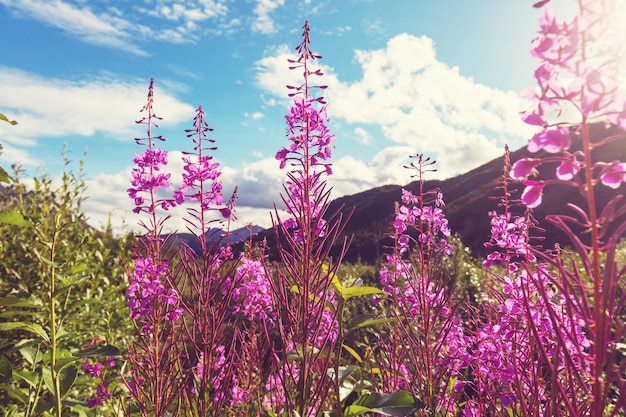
(53, 327)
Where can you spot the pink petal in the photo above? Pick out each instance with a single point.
(533, 193)
(524, 167)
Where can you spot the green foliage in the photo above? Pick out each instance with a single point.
(62, 287)
(6, 119)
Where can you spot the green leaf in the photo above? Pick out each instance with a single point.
(22, 314)
(44, 405)
(30, 327)
(6, 372)
(355, 410)
(398, 403)
(4, 176)
(46, 373)
(67, 377)
(67, 282)
(19, 394)
(13, 301)
(83, 411)
(64, 362)
(366, 320)
(10, 411)
(99, 352)
(14, 218)
(359, 291)
(32, 355)
(6, 119)
(78, 268)
(352, 352)
(31, 378)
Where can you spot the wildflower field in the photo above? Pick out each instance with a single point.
(95, 325)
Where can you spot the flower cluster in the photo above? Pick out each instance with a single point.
(95, 370)
(577, 84)
(506, 354)
(219, 385)
(102, 394)
(430, 222)
(146, 290)
(510, 234)
(147, 175)
(199, 169)
(253, 295)
(309, 150)
(310, 137)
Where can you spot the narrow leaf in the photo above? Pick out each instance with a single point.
(353, 352)
(366, 320)
(47, 379)
(355, 410)
(13, 217)
(358, 291)
(398, 403)
(32, 355)
(4, 176)
(63, 363)
(13, 301)
(99, 352)
(31, 378)
(66, 378)
(6, 119)
(6, 372)
(31, 327)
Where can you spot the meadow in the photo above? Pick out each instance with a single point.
(99, 325)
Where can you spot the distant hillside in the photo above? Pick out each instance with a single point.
(468, 199)
(215, 236)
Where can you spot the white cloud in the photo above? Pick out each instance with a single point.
(100, 29)
(362, 135)
(51, 107)
(417, 101)
(263, 22)
(254, 115)
(101, 25)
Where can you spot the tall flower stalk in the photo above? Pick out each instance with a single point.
(154, 380)
(303, 288)
(577, 88)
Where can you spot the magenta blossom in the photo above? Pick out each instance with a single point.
(613, 175)
(533, 193)
(550, 140)
(525, 167)
(568, 168)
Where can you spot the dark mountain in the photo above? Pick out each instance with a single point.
(469, 197)
(215, 236)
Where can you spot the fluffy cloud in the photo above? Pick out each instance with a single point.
(102, 29)
(176, 21)
(417, 101)
(48, 107)
(263, 22)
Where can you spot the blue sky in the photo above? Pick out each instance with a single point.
(405, 76)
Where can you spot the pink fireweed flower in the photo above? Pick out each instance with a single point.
(146, 289)
(525, 167)
(552, 140)
(613, 175)
(147, 178)
(200, 172)
(253, 297)
(533, 193)
(93, 370)
(309, 149)
(102, 394)
(568, 168)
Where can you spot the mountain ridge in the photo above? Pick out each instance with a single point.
(469, 197)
